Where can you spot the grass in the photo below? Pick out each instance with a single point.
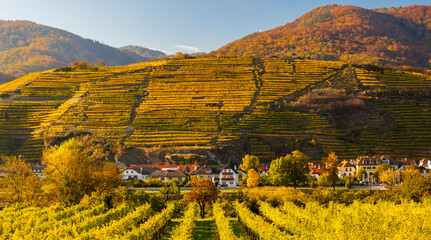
(237, 228)
(172, 225)
(206, 229)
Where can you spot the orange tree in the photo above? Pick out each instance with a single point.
(204, 192)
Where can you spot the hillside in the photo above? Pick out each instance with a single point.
(143, 52)
(389, 37)
(29, 47)
(221, 109)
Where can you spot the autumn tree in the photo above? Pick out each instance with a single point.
(380, 169)
(204, 192)
(330, 168)
(250, 162)
(360, 173)
(19, 180)
(73, 170)
(290, 169)
(168, 191)
(414, 185)
(252, 179)
(388, 176)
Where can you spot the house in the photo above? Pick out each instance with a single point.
(314, 170)
(387, 159)
(346, 169)
(264, 169)
(369, 164)
(425, 163)
(38, 168)
(219, 174)
(120, 165)
(138, 172)
(169, 174)
(132, 172)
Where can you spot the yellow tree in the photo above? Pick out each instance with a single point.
(72, 171)
(250, 162)
(388, 176)
(252, 178)
(330, 168)
(19, 180)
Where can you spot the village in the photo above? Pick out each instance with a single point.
(230, 176)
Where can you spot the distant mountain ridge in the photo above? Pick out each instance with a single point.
(390, 37)
(28, 47)
(143, 52)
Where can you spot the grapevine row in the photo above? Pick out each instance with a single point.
(256, 226)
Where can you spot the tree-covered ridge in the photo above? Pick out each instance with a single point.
(28, 47)
(221, 109)
(143, 52)
(390, 37)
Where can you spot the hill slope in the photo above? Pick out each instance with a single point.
(143, 52)
(395, 36)
(28, 47)
(221, 109)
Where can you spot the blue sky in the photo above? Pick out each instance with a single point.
(170, 25)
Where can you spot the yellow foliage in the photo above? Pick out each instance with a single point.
(252, 179)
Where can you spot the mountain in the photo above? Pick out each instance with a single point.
(220, 108)
(29, 47)
(390, 37)
(143, 52)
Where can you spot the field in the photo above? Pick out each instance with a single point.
(92, 220)
(221, 108)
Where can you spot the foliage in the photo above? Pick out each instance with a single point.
(348, 33)
(204, 192)
(330, 168)
(185, 230)
(29, 47)
(360, 173)
(290, 169)
(380, 169)
(72, 170)
(257, 226)
(250, 162)
(168, 191)
(224, 228)
(19, 181)
(252, 178)
(388, 176)
(414, 185)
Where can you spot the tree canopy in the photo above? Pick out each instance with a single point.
(250, 162)
(72, 171)
(253, 178)
(330, 168)
(290, 169)
(204, 192)
(20, 181)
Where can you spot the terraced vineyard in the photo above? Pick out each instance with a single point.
(221, 108)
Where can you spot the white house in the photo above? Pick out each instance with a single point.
(38, 168)
(346, 169)
(219, 174)
(136, 172)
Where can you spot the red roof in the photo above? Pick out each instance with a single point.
(192, 168)
(313, 169)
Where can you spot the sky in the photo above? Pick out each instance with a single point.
(171, 26)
